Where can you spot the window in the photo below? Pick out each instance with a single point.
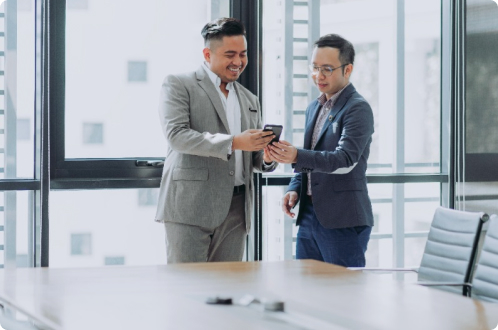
(477, 187)
(17, 90)
(20, 144)
(22, 260)
(137, 71)
(93, 133)
(100, 224)
(24, 129)
(117, 83)
(77, 4)
(105, 119)
(398, 63)
(25, 5)
(287, 46)
(81, 244)
(397, 70)
(17, 229)
(148, 197)
(113, 261)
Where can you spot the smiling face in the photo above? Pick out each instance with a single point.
(328, 56)
(227, 58)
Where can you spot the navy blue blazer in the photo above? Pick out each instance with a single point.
(338, 163)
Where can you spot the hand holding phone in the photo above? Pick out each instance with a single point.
(276, 129)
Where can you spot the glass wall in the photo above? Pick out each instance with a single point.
(92, 228)
(17, 85)
(477, 189)
(19, 227)
(117, 55)
(420, 202)
(397, 70)
(288, 34)
(17, 220)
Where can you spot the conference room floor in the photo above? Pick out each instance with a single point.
(316, 296)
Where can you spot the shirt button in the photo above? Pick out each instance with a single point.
(232, 172)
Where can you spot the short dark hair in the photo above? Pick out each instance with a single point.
(346, 49)
(222, 27)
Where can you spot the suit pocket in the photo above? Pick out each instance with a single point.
(253, 120)
(348, 185)
(190, 174)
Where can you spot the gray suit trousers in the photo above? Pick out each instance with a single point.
(188, 243)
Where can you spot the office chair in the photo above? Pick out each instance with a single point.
(450, 251)
(485, 283)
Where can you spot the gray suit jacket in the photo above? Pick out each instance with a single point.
(338, 163)
(198, 177)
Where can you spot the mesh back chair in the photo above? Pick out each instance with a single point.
(485, 282)
(451, 247)
(450, 250)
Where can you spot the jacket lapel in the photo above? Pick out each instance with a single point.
(245, 120)
(338, 106)
(207, 85)
(244, 110)
(311, 125)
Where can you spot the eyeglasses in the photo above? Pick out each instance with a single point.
(325, 70)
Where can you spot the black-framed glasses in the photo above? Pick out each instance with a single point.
(325, 70)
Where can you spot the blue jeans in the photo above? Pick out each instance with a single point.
(342, 246)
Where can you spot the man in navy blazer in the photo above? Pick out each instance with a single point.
(335, 215)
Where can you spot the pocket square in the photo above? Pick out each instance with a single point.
(334, 127)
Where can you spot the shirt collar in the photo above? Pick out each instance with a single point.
(214, 77)
(322, 99)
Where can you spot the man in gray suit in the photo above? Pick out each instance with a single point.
(335, 215)
(215, 142)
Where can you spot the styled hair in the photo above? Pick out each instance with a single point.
(222, 27)
(346, 49)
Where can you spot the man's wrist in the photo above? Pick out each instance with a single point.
(295, 157)
(230, 150)
(234, 142)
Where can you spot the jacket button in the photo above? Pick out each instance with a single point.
(232, 172)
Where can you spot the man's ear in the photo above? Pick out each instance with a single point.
(348, 70)
(207, 54)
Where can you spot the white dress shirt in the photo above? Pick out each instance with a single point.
(232, 109)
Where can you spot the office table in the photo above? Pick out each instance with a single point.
(316, 296)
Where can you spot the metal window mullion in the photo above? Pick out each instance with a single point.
(459, 8)
(313, 35)
(10, 157)
(288, 70)
(399, 164)
(249, 12)
(39, 199)
(460, 106)
(446, 114)
(31, 229)
(52, 98)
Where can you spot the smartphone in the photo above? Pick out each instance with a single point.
(276, 129)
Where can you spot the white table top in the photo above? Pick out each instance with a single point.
(316, 295)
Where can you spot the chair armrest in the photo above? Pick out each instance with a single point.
(467, 287)
(443, 284)
(374, 269)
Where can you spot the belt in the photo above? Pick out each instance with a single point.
(239, 189)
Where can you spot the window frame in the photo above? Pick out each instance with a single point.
(110, 173)
(145, 172)
(447, 137)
